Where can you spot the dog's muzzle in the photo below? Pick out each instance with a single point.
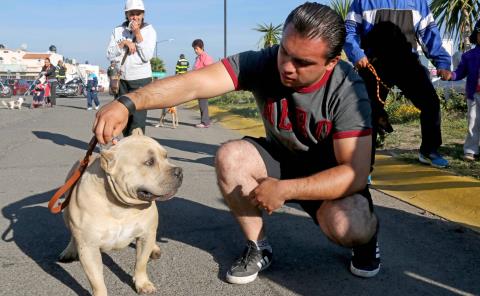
(146, 195)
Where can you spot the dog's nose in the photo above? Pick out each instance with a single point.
(178, 172)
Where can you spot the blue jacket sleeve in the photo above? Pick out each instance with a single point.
(353, 25)
(429, 35)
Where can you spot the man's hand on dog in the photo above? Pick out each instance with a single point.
(267, 195)
(110, 122)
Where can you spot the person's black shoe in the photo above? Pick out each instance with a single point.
(247, 267)
(366, 259)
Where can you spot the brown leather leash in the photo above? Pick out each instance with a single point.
(379, 82)
(56, 207)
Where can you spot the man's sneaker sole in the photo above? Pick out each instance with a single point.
(364, 273)
(241, 280)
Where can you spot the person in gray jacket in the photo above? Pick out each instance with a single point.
(132, 44)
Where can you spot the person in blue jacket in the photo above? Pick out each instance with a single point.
(92, 87)
(386, 35)
(469, 67)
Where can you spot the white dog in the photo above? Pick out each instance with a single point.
(14, 104)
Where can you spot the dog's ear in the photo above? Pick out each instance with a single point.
(137, 132)
(107, 160)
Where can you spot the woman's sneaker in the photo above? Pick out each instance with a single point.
(366, 259)
(246, 268)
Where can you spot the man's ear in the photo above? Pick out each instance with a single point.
(332, 63)
(107, 160)
(137, 132)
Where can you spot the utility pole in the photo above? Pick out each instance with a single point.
(160, 41)
(224, 28)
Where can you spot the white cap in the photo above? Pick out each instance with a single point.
(134, 5)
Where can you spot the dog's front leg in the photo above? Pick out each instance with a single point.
(175, 120)
(145, 245)
(160, 121)
(91, 260)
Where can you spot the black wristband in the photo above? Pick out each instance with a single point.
(128, 103)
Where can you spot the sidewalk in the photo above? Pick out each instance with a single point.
(451, 197)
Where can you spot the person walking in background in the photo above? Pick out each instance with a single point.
(182, 65)
(48, 70)
(469, 67)
(133, 43)
(202, 60)
(61, 72)
(92, 88)
(384, 34)
(113, 74)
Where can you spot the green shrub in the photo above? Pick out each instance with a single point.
(400, 110)
(453, 102)
(233, 98)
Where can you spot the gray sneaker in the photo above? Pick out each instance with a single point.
(246, 268)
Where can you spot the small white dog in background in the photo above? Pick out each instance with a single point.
(15, 104)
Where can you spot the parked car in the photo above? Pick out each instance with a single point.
(5, 90)
(72, 88)
(10, 83)
(20, 87)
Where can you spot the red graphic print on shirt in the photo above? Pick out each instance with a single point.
(323, 129)
(284, 124)
(302, 121)
(268, 111)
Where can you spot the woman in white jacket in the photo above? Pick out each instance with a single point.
(132, 45)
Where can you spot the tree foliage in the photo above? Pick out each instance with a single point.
(341, 7)
(272, 34)
(158, 65)
(457, 17)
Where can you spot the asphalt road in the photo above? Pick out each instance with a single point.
(422, 255)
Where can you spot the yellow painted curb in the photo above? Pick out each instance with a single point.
(244, 126)
(452, 197)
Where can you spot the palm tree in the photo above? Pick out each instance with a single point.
(157, 65)
(272, 34)
(341, 7)
(457, 18)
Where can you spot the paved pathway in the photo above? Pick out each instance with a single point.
(422, 254)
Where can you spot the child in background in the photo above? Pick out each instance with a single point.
(92, 85)
(470, 67)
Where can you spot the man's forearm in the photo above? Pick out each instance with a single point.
(207, 82)
(334, 183)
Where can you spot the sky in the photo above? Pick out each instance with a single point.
(82, 29)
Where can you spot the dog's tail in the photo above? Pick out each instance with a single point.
(4, 104)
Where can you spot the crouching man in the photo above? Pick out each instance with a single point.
(316, 114)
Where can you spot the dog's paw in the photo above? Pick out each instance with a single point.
(156, 253)
(146, 287)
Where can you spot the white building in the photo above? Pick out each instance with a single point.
(21, 64)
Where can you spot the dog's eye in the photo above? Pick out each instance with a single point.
(150, 162)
